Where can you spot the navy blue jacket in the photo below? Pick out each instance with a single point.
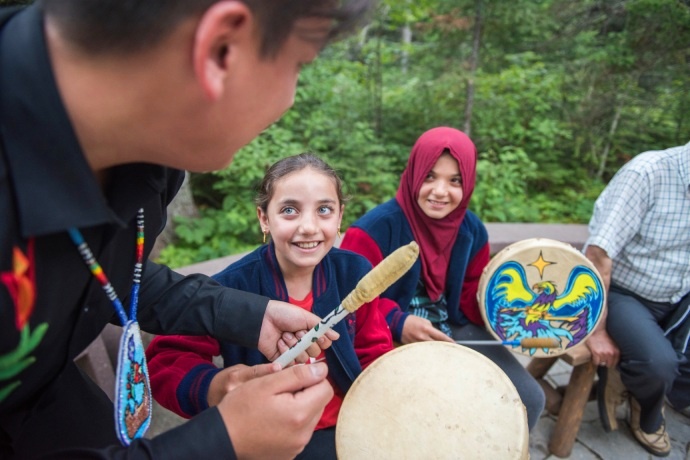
(334, 278)
(385, 229)
(181, 367)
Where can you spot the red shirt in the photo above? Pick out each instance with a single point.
(330, 413)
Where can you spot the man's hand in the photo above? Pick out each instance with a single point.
(416, 329)
(604, 351)
(274, 416)
(232, 377)
(283, 324)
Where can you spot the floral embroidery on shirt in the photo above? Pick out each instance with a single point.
(22, 289)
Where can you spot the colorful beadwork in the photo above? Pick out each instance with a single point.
(132, 387)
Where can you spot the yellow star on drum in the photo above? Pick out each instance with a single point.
(541, 264)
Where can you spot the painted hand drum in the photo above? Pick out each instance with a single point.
(432, 400)
(541, 288)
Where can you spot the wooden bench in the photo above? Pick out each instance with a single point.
(568, 402)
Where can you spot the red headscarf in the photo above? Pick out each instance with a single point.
(436, 236)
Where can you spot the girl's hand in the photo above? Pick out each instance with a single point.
(418, 329)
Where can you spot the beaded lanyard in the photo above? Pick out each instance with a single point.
(132, 387)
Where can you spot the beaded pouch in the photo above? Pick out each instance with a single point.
(132, 389)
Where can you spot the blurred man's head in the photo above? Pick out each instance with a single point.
(198, 79)
(130, 25)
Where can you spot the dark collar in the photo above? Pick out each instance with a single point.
(55, 188)
(319, 280)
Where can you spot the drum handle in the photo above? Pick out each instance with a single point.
(369, 287)
(528, 342)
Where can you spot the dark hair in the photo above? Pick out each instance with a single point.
(126, 26)
(288, 165)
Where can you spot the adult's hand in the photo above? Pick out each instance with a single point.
(283, 324)
(604, 350)
(274, 416)
(232, 377)
(416, 329)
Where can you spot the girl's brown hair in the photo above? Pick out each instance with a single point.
(288, 165)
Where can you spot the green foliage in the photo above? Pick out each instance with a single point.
(564, 93)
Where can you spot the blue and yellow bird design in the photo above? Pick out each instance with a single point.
(515, 311)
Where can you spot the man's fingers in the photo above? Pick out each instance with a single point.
(316, 397)
(296, 378)
(289, 338)
(238, 374)
(259, 371)
(314, 350)
(326, 340)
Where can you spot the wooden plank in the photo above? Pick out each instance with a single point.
(504, 234)
(578, 355)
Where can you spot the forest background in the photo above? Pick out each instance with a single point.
(556, 94)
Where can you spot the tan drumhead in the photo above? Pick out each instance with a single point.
(541, 288)
(432, 400)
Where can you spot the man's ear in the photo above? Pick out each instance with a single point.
(220, 30)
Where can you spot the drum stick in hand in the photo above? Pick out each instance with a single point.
(374, 283)
(530, 342)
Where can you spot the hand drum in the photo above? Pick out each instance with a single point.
(541, 288)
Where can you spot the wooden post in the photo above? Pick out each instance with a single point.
(572, 409)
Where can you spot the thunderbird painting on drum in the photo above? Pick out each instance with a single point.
(541, 288)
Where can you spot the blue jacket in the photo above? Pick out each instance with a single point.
(258, 272)
(387, 226)
(334, 278)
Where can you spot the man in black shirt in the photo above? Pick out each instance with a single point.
(102, 105)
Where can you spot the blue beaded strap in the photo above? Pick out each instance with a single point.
(132, 386)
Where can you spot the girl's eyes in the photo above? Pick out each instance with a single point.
(455, 180)
(290, 211)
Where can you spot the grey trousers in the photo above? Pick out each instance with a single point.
(649, 366)
(530, 391)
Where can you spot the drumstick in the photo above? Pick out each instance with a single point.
(530, 342)
(374, 283)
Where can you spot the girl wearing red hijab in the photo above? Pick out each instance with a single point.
(437, 298)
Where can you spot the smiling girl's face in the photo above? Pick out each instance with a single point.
(441, 193)
(303, 217)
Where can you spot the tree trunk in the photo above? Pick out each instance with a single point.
(406, 39)
(474, 59)
(182, 205)
(609, 139)
(378, 88)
